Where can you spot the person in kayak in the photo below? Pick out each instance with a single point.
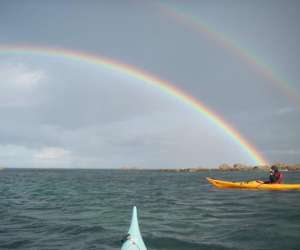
(275, 176)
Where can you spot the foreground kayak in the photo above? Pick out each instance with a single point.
(258, 185)
(134, 240)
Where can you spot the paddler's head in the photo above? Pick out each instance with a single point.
(274, 169)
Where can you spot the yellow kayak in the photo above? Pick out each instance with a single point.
(258, 185)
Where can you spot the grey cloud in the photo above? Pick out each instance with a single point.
(108, 119)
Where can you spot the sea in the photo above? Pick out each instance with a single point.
(91, 209)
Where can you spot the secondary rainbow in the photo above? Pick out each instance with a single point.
(198, 25)
(146, 78)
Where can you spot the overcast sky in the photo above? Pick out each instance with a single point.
(61, 113)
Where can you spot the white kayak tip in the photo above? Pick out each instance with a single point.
(133, 240)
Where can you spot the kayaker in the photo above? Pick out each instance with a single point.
(275, 176)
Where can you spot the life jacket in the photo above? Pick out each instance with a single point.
(278, 177)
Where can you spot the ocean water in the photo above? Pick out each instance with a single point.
(91, 209)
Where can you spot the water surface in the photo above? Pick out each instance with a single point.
(91, 209)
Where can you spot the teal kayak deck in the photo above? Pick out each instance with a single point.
(134, 240)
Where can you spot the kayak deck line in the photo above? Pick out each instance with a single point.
(255, 185)
(133, 240)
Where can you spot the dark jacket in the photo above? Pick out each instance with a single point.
(277, 177)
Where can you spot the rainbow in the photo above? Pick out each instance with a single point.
(249, 58)
(146, 78)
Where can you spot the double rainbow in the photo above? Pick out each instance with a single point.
(197, 25)
(146, 78)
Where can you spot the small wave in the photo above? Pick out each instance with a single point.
(17, 244)
(175, 243)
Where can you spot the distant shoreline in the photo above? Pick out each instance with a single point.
(224, 167)
(221, 168)
(237, 167)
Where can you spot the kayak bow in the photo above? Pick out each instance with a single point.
(134, 240)
(258, 185)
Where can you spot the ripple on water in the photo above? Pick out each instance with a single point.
(91, 209)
